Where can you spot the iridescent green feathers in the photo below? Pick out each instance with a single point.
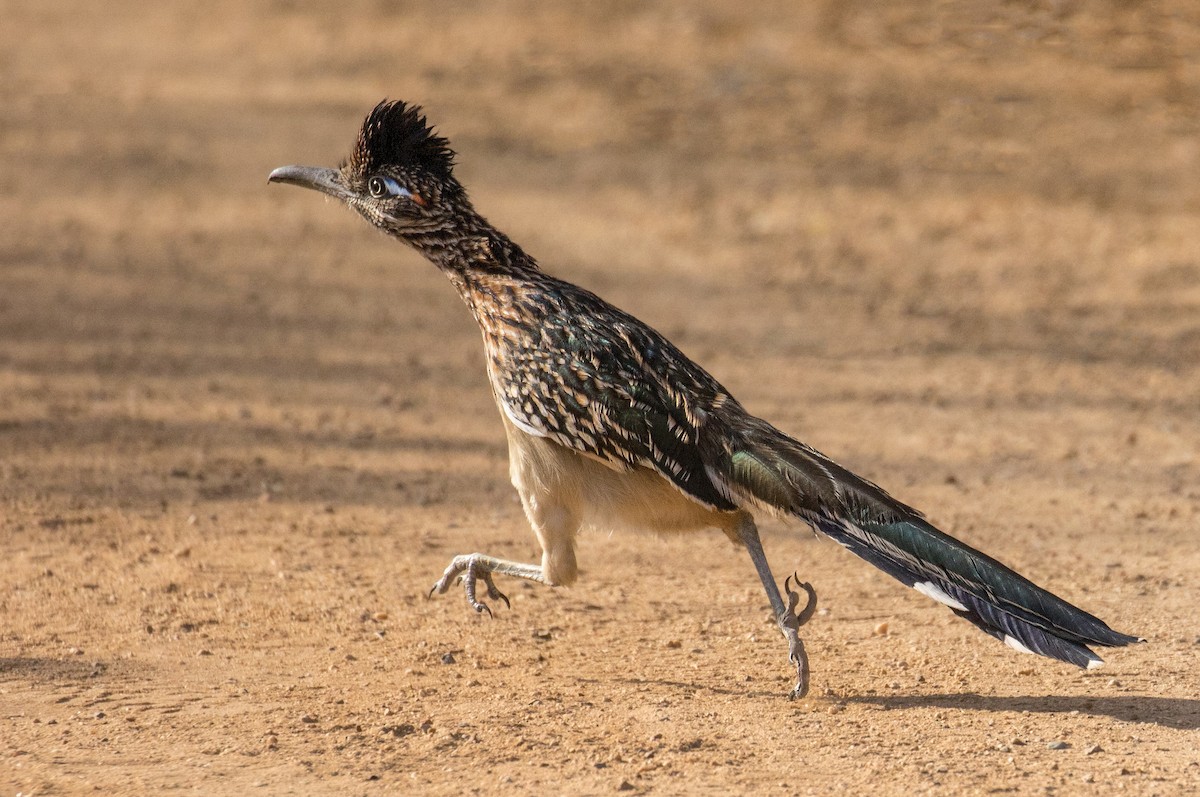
(775, 471)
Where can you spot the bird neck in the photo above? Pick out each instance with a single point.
(468, 243)
(469, 250)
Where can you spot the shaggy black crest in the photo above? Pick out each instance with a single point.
(397, 134)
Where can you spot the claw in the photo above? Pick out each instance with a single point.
(469, 578)
(467, 570)
(449, 577)
(790, 625)
(494, 593)
(810, 607)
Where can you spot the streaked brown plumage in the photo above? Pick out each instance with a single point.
(608, 423)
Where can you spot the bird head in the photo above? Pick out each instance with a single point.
(399, 176)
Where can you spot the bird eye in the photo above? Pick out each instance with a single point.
(377, 187)
(381, 187)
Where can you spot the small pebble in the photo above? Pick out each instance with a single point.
(448, 658)
(881, 629)
(1058, 745)
(1093, 750)
(625, 786)
(308, 719)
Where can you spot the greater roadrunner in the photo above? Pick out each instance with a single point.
(609, 424)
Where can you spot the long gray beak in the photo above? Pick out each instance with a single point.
(327, 181)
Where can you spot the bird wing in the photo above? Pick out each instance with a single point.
(602, 383)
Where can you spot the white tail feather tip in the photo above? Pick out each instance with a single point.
(931, 590)
(1017, 644)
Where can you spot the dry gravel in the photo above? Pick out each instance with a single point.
(240, 435)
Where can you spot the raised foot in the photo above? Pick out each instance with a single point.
(790, 624)
(470, 569)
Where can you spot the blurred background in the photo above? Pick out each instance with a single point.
(829, 181)
(953, 244)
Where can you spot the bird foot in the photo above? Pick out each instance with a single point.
(470, 569)
(810, 606)
(790, 624)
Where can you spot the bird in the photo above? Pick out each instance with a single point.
(609, 424)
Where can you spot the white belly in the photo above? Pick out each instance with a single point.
(598, 495)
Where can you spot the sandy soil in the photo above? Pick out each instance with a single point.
(240, 435)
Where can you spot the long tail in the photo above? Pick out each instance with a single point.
(770, 469)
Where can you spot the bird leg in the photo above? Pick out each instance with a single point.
(789, 622)
(474, 567)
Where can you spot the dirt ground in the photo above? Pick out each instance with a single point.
(957, 247)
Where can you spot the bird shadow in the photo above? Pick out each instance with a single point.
(1167, 712)
(692, 687)
(37, 669)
